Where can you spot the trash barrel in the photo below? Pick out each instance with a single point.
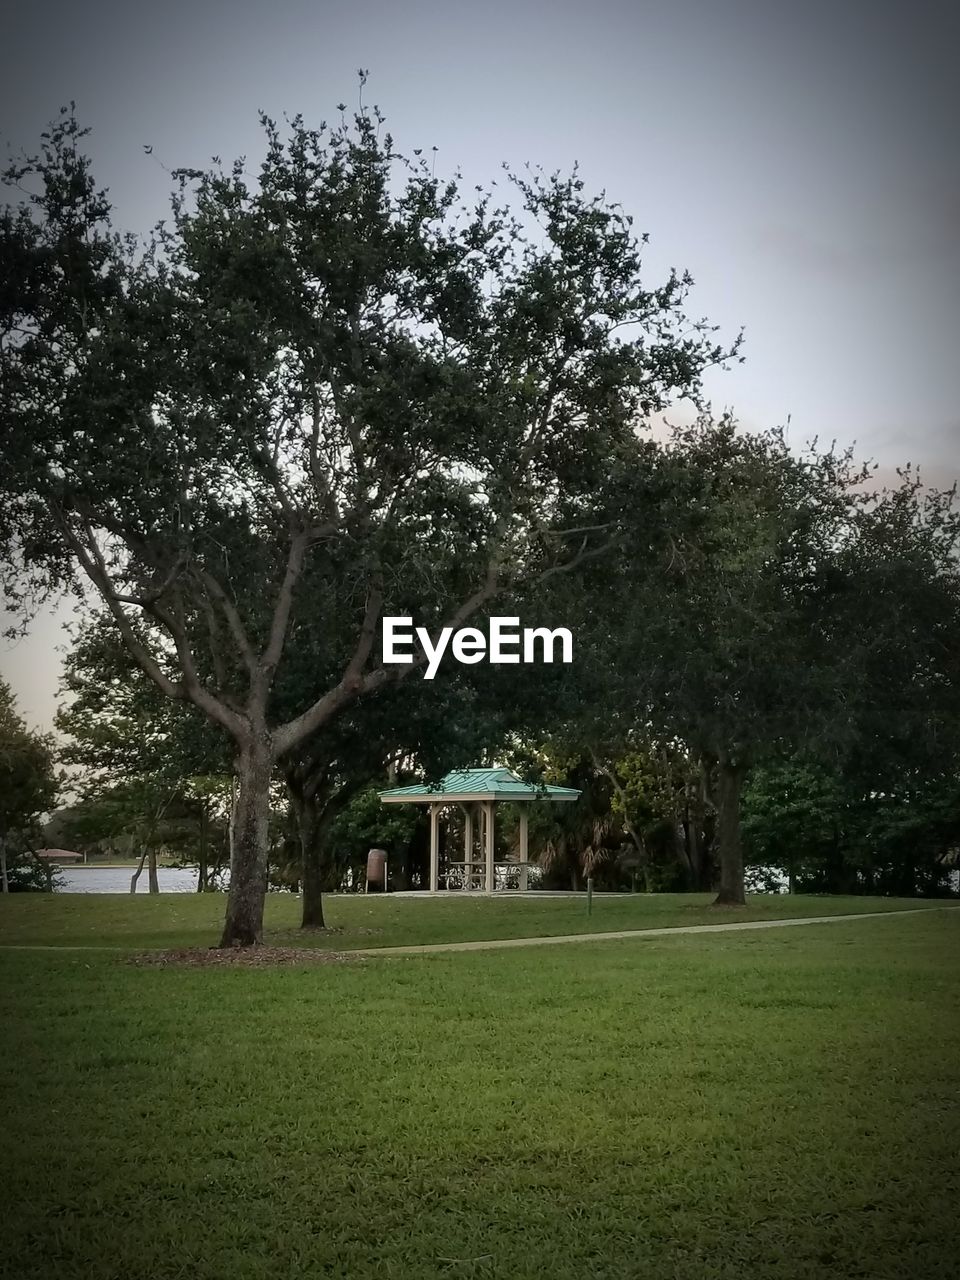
(376, 871)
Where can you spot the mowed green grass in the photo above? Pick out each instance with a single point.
(360, 920)
(778, 1104)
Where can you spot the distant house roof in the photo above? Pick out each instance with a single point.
(476, 784)
(60, 855)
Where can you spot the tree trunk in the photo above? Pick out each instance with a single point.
(312, 863)
(243, 926)
(3, 865)
(418, 855)
(732, 892)
(315, 813)
(836, 872)
(148, 849)
(707, 829)
(202, 850)
(139, 868)
(232, 816)
(47, 869)
(680, 844)
(697, 832)
(311, 914)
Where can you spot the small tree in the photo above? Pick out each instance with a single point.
(152, 768)
(836, 829)
(28, 788)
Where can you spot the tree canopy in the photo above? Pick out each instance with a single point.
(765, 602)
(333, 389)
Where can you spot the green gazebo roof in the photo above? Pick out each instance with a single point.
(476, 784)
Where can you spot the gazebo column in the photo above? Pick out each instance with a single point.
(524, 846)
(488, 809)
(467, 846)
(434, 847)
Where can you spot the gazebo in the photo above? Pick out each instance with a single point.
(477, 792)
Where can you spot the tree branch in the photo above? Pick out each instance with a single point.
(216, 591)
(94, 567)
(281, 613)
(349, 686)
(197, 692)
(583, 555)
(190, 687)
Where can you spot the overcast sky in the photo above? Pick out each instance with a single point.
(800, 159)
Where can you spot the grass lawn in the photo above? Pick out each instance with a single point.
(358, 920)
(773, 1105)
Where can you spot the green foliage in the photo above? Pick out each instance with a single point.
(124, 817)
(28, 789)
(763, 603)
(341, 370)
(155, 776)
(116, 723)
(791, 811)
(723, 659)
(758, 589)
(28, 782)
(336, 389)
(366, 824)
(834, 834)
(571, 841)
(26, 872)
(664, 795)
(342, 387)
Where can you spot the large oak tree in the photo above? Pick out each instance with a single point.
(762, 602)
(335, 370)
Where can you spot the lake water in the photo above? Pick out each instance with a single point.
(79, 879)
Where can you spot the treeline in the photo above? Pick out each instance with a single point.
(345, 389)
(645, 823)
(768, 691)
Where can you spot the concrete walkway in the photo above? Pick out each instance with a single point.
(493, 944)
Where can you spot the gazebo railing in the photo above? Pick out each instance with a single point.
(457, 874)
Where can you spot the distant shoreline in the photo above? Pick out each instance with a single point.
(120, 866)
